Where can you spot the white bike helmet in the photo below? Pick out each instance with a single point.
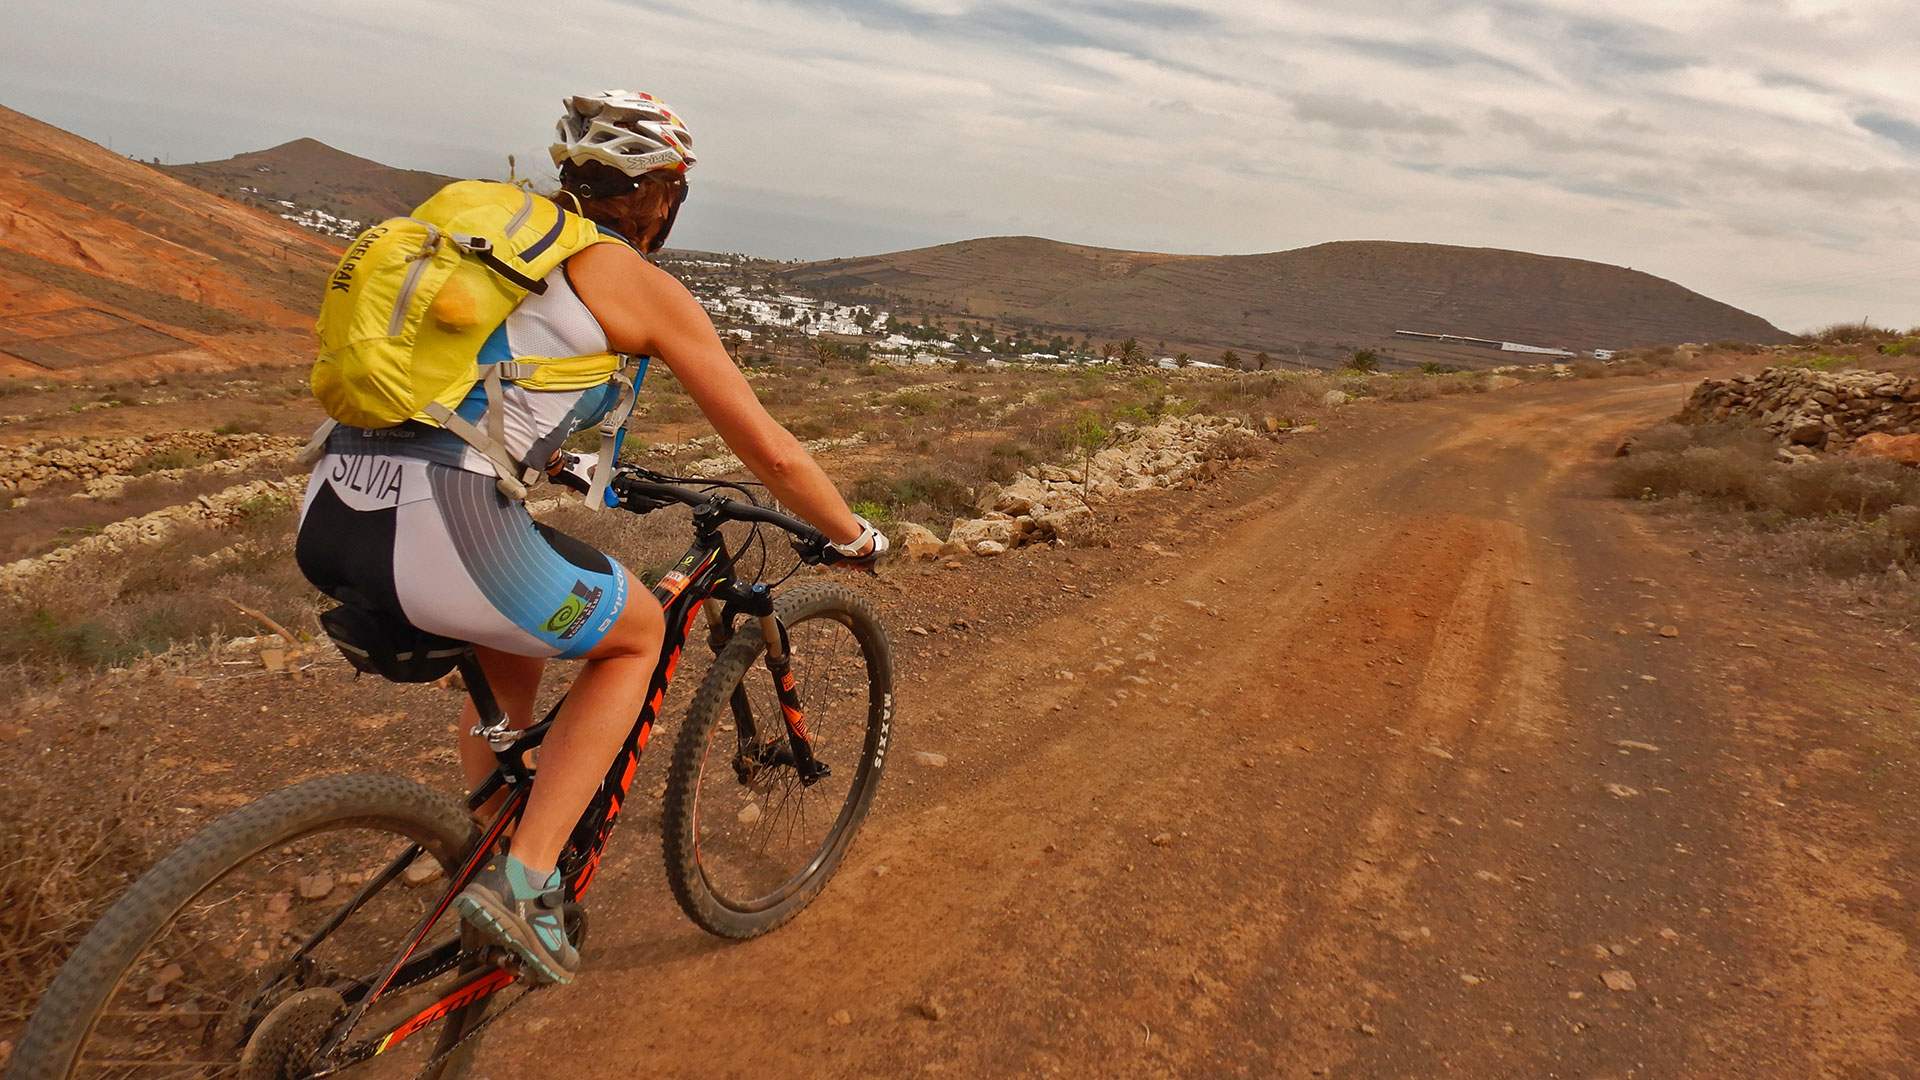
(632, 132)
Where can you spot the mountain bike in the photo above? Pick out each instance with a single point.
(308, 934)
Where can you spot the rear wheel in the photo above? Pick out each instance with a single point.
(220, 961)
(747, 843)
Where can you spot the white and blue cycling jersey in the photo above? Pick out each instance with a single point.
(408, 520)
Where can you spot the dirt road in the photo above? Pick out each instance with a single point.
(1390, 774)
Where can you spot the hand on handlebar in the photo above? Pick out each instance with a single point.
(822, 552)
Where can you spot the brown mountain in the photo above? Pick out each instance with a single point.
(313, 176)
(107, 265)
(1321, 301)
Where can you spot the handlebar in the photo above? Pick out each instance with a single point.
(641, 495)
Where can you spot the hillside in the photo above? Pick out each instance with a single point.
(1323, 300)
(108, 265)
(312, 176)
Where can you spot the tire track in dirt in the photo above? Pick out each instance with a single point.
(1330, 896)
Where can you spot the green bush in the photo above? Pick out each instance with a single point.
(264, 505)
(170, 459)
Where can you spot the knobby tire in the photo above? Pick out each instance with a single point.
(52, 1044)
(855, 677)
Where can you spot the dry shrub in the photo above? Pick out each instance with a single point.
(1849, 549)
(1838, 487)
(1647, 359)
(1841, 515)
(1851, 333)
(1235, 445)
(1290, 397)
(931, 495)
(1420, 387)
(1713, 461)
(65, 854)
(109, 610)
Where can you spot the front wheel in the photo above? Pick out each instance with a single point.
(242, 949)
(748, 843)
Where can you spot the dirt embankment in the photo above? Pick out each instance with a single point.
(1380, 762)
(108, 266)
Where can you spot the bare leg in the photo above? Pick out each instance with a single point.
(516, 682)
(590, 728)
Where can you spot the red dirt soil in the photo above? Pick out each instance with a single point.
(1420, 760)
(1391, 774)
(184, 279)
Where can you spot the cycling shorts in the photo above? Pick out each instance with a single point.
(442, 548)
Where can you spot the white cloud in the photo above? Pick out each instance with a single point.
(1764, 152)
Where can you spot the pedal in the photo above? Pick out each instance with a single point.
(574, 917)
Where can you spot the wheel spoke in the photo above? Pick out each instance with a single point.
(198, 959)
(744, 859)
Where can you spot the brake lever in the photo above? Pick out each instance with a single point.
(812, 550)
(817, 552)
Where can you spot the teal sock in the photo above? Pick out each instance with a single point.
(528, 883)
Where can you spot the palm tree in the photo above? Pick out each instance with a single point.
(1131, 352)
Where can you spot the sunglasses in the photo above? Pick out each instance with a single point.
(603, 189)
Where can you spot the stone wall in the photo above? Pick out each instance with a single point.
(1052, 502)
(25, 468)
(1816, 410)
(220, 508)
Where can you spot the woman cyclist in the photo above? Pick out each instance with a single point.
(453, 556)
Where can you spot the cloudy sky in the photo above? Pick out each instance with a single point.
(1765, 152)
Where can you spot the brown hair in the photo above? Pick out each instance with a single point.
(642, 215)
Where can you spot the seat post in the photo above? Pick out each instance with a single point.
(493, 722)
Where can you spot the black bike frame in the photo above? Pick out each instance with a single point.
(701, 580)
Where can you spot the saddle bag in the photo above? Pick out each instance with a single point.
(391, 648)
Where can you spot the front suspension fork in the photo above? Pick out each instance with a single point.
(757, 602)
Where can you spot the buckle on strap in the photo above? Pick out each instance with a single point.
(514, 478)
(510, 370)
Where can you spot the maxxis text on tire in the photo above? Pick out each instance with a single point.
(695, 757)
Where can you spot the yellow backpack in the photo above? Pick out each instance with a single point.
(414, 298)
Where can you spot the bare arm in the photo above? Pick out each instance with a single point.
(645, 310)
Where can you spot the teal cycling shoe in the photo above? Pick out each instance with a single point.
(522, 915)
